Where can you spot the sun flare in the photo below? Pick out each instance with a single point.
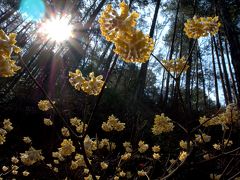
(57, 29)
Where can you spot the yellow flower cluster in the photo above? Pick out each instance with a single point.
(126, 156)
(91, 85)
(112, 24)
(67, 148)
(183, 144)
(202, 138)
(131, 44)
(44, 105)
(127, 146)
(78, 162)
(142, 147)
(104, 165)
(7, 46)
(113, 123)
(201, 27)
(89, 145)
(31, 156)
(156, 150)
(231, 115)
(78, 124)
(135, 47)
(7, 127)
(47, 122)
(162, 124)
(178, 65)
(182, 156)
(107, 144)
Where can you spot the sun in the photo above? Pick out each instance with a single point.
(58, 29)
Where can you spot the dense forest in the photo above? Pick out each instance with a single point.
(112, 89)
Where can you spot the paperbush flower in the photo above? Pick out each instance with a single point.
(79, 125)
(142, 147)
(156, 149)
(45, 105)
(231, 115)
(113, 124)
(178, 65)
(67, 147)
(31, 156)
(134, 47)
(94, 85)
(104, 165)
(91, 85)
(142, 173)
(112, 24)
(7, 125)
(127, 146)
(47, 122)
(8, 68)
(183, 155)
(162, 124)
(27, 140)
(7, 44)
(126, 156)
(202, 138)
(201, 27)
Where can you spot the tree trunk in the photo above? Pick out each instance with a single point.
(232, 37)
(215, 76)
(143, 71)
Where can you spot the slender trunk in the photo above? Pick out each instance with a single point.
(171, 51)
(215, 76)
(231, 72)
(220, 71)
(228, 88)
(143, 71)
(203, 83)
(233, 40)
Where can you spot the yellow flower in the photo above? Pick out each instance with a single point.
(104, 165)
(45, 105)
(94, 85)
(217, 146)
(112, 24)
(183, 155)
(162, 124)
(8, 68)
(47, 122)
(113, 124)
(27, 140)
(7, 44)
(134, 47)
(31, 156)
(201, 27)
(67, 147)
(178, 65)
(156, 156)
(228, 142)
(126, 156)
(211, 25)
(25, 173)
(7, 125)
(4, 168)
(127, 146)
(91, 85)
(65, 132)
(142, 147)
(142, 173)
(76, 79)
(202, 138)
(14, 160)
(155, 149)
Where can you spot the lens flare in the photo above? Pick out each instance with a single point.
(57, 29)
